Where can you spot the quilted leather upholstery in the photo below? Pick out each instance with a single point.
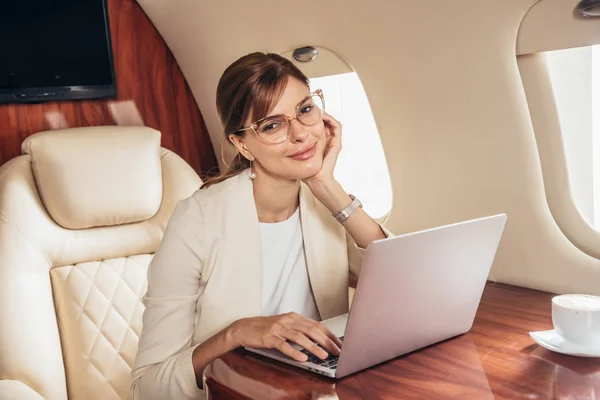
(70, 309)
(99, 313)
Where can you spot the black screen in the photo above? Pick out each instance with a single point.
(54, 43)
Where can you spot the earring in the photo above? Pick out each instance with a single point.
(252, 173)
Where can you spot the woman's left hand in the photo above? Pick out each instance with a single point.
(333, 129)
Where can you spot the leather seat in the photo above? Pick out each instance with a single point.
(81, 213)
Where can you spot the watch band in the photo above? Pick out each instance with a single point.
(347, 212)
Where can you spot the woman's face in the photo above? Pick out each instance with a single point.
(300, 155)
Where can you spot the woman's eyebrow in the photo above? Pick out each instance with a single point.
(308, 96)
(295, 108)
(272, 116)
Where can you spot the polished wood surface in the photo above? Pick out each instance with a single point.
(151, 91)
(495, 360)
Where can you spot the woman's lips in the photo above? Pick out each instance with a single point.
(305, 154)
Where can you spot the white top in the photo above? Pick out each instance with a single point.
(285, 284)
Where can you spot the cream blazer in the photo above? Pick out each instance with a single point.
(206, 274)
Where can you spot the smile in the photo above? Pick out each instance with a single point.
(305, 154)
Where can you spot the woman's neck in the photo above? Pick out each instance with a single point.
(276, 200)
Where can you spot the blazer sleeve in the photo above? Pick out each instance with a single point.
(356, 253)
(163, 366)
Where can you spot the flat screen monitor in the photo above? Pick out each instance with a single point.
(55, 50)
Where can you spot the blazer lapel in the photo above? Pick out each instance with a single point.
(248, 249)
(326, 256)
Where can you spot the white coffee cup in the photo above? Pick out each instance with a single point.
(576, 317)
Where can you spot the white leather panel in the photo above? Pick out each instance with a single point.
(30, 349)
(121, 182)
(99, 313)
(15, 390)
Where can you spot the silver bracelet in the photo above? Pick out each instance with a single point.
(347, 212)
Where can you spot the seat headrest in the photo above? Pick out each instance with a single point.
(97, 176)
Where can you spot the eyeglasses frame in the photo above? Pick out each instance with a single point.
(254, 125)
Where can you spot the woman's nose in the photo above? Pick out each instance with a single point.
(298, 132)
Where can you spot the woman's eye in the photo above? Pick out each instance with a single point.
(306, 109)
(270, 127)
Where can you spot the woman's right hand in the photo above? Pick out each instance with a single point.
(278, 331)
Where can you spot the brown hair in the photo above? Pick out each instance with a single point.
(248, 89)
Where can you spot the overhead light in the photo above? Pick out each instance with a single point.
(588, 8)
(305, 54)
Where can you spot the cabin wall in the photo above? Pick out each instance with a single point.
(151, 91)
(447, 95)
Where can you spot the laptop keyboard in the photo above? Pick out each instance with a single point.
(329, 362)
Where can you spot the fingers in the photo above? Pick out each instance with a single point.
(326, 331)
(334, 128)
(315, 331)
(337, 343)
(289, 351)
(300, 318)
(329, 119)
(319, 334)
(334, 337)
(300, 338)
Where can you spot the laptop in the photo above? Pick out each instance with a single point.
(415, 290)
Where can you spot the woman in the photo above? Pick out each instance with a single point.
(261, 253)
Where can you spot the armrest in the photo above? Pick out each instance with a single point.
(16, 390)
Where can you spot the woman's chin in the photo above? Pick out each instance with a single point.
(302, 174)
(309, 170)
(300, 170)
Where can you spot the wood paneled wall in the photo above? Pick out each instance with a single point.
(151, 91)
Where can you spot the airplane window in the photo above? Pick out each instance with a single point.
(575, 77)
(361, 168)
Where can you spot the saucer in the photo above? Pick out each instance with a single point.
(551, 340)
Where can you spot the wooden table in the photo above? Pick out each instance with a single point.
(495, 360)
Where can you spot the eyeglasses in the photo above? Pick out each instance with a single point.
(276, 129)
